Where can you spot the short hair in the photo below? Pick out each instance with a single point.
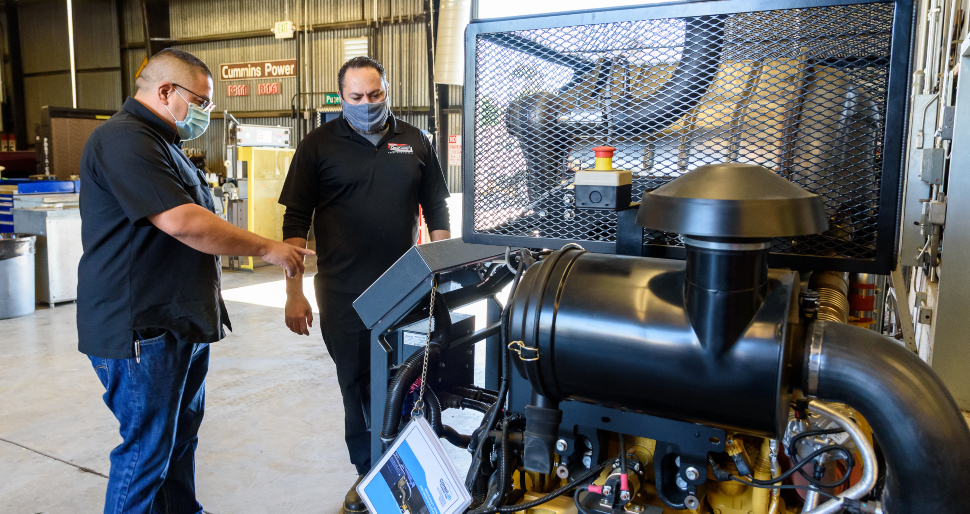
(359, 63)
(170, 64)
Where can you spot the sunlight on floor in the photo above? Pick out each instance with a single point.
(269, 294)
(273, 294)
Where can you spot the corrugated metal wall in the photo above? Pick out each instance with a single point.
(400, 45)
(395, 28)
(46, 56)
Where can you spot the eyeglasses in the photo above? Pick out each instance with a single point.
(206, 104)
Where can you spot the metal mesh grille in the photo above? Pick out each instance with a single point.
(800, 91)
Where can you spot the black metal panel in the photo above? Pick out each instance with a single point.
(816, 91)
(414, 270)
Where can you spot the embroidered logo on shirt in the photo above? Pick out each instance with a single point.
(399, 148)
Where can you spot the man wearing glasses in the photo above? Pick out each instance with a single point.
(149, 300)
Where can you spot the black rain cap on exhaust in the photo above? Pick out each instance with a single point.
(735, 201)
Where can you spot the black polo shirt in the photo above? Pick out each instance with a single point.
(363, 198)
(132, 276)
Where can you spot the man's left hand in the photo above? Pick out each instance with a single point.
(299, 315)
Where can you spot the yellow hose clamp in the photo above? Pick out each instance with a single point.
(519, 347)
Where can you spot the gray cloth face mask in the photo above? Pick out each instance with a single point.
(367, 118)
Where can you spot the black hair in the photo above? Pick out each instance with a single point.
(186, 58)
(359, 63)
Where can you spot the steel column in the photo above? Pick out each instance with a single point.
(951, 348)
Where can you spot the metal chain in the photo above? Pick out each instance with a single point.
(418, 410)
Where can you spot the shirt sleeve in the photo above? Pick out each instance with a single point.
(433, 193)
(299, 193)
(138, 172)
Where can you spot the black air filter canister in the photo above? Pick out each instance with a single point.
(702, 340)
(614, 331)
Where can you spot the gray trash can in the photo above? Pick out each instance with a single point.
(16, 275)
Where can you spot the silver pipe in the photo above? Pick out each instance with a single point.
(869, 466)
(933, 49)
(811, 500)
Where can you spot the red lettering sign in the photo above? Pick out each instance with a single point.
(273, 88)
(237, 90)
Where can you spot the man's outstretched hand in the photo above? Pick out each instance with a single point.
(288, 256)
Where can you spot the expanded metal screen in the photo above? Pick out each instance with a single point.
(816, 94)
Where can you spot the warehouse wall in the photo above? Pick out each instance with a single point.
(46, 57)
(109, 38)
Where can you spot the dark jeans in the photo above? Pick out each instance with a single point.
(348, 342)
(159, 403)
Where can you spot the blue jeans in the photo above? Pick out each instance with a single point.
(159, 401)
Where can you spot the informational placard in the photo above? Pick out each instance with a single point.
(454, 150)
(414, 476)
(273, 88)
(284, 68)
(331, 99)
(237, 90)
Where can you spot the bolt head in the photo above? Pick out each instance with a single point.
(691, 473)
(561, 445)
(681, 483)
(607, 490)
(625, 495)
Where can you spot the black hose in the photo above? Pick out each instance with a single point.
(555, 494)
(579, 506)
(440, 429)
(479, 488)
(793, 454)
(411, 370)
(432, 411)
(504, 463)
(455, 438)
(622, 454)
(823, 450)
(696, 71)
(468, 403)
(406, 375)
(923, 435)
(492, 413)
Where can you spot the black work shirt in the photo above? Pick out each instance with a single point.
(364, 199)
(132, 276)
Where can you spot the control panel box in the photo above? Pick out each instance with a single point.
(261, 135)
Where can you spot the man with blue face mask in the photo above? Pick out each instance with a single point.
(360, 179)
(149, 300)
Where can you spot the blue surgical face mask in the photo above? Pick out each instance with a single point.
(367, 118)
(195, 122)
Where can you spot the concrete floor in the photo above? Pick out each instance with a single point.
(272, 440)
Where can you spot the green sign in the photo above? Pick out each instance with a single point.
(331, 99)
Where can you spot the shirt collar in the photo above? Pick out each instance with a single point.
(136, 108)
(344, 129)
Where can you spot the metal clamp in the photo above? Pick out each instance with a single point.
(519, 346)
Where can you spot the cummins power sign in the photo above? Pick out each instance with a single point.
(258, 70)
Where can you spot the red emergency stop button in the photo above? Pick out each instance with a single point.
(604, 151)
